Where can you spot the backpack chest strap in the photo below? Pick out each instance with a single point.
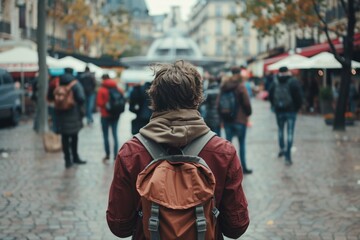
(154, 222)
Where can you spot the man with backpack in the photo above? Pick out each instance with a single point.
(193, 188)
(235, 108)
(88, 82)
(212, 117)
(111, 101)
(286, 98)
(68, 102)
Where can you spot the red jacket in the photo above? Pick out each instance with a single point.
(103, 95)
(221, 157)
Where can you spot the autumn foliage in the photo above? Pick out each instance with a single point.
(267, 15)
(110, 35)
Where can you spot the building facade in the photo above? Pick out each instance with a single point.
(210, 26)
(18, 24)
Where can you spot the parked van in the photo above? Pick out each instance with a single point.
(10, 104)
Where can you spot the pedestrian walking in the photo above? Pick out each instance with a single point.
(139, 103)
(212, 117)
(286, 100)
(176, 122)
(111, 101)
(68, 99)
(88, 82)
(235, 119)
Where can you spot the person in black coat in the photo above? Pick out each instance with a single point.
(291, 101)
(69, 122)
(212, 117)
(140, 105)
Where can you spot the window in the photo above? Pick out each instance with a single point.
(246, 29)
(218, 11)
(218, 27)
(218, 48)
(232, 28)
(246, 47)
(184, 52)
(163, 52)
(232, 9)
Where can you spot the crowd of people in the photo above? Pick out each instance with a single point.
(177, 108)
(174, 113)
(226, 104)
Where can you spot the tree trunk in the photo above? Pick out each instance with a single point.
(348, 44)
(41, 107)
(339, 121)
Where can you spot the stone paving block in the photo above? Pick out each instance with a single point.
(316, 198)
(60, 238)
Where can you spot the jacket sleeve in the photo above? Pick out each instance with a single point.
(121, 214)
(271, 93)
(297, 94)
(93, 83)
(101, 98)
(245, 100)
(234, 217)
(79, 94)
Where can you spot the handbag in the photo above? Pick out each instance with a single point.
(52, 142)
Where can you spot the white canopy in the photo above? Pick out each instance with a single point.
(287, 61)
(324, 60)
(22, 59)
(79, 66)
(137, 75)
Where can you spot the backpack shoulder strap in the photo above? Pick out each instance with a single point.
(155, 149)
(195, 147)
(71, 84)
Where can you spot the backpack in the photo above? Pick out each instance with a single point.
(228, 105)
(116, 103)
(177, 193)
(282, 96)
(88, 82)
(64, 96)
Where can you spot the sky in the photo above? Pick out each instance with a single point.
(164, 6)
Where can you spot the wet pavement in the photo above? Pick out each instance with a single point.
(318, 197)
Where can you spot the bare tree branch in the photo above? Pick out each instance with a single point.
(326, 30)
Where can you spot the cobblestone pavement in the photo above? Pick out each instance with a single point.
(318, 197)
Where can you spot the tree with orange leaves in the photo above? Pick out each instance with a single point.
(110, 35)
(267, 16)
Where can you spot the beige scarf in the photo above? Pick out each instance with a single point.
(175, 128)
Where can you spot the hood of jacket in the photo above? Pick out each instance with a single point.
(109, 83)
(283, 79)
(230, 83)
(66, 78)
(175, 128)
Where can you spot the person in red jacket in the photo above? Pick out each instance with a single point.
(176, 94)
(107, 120)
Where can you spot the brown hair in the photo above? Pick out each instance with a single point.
(175, 86)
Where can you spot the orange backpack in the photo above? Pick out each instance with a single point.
(177, 193)
(64, 96)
